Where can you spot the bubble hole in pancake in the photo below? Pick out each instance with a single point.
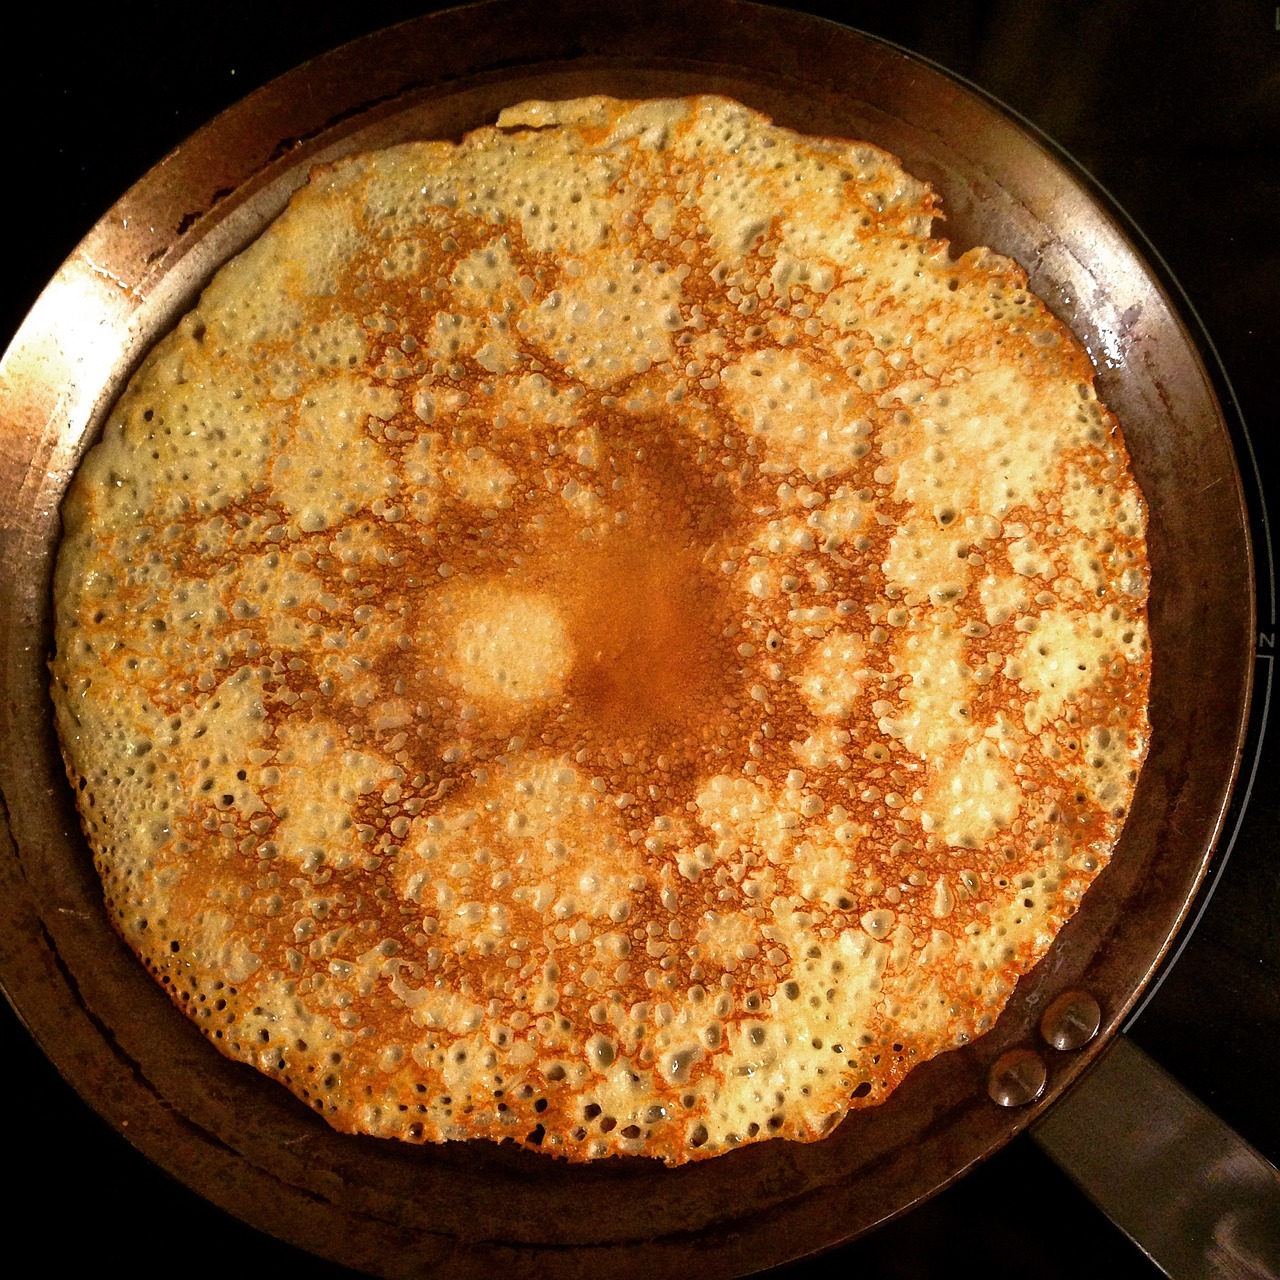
(605, 635)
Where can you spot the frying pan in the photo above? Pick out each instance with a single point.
(240, 1140)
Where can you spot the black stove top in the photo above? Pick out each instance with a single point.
(1175, 110)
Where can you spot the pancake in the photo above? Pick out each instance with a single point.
(605, 636)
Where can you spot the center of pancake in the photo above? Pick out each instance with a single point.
(643, 627)
(508, 646)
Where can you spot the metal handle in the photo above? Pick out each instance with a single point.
(1181, 1184)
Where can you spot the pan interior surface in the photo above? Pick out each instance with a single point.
(463, 1210)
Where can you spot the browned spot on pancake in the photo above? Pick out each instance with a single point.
(646, 607)
(644, 621)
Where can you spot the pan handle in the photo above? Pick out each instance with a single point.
(1196, 1198)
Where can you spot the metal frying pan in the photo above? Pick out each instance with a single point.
(241, 1141)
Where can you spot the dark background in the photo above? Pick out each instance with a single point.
(1173, 108)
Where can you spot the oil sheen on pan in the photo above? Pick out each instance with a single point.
(605, 636)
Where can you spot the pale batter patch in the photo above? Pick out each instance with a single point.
(508, 645)
(833, 677)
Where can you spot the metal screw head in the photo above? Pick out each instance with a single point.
(1017, 1078)
(1071, 1021)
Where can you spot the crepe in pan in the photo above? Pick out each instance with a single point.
(606, 635)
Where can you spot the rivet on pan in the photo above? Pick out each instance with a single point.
(1017, 1078)
(1071, 1021)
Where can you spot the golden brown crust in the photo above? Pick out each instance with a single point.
(604, 636)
